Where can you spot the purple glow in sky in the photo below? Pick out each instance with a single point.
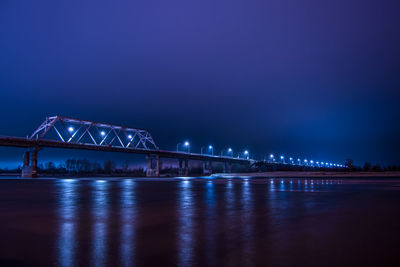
(311, 79)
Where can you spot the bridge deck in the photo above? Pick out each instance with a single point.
(29, 143)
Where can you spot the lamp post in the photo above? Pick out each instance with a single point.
(186, 144)
(272, 157)
(246, 154)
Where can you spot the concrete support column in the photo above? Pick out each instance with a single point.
(26, 159)
(29, 166)
(186, 167)
(183, 169)
(34, 160)
(207, 167)
(227, 167)
(153, 166)
(180, 169)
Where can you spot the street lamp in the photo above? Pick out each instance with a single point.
(246, 153)
(188, 146)
(130, 136)
(272, 157)
(229, 151)
(210, 147)
(283, 159)
(102, 133)
(70, 129)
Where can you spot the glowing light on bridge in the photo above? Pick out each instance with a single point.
(210, 147)
(70, 129)
(187, 144)
(102, 133)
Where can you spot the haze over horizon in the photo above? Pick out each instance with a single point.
(311, 79)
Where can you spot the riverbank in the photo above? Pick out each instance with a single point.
(299, 174)
(276, 174)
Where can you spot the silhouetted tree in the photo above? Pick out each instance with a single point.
(125, 166)
(367, 166)
(71, 165)
(50, 166)
(96, 167)
(377, 168)
(350, 164)
(109, 166)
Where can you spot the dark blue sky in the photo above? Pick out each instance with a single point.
(315, 79)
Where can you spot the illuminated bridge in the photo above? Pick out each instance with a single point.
(69, 133)
(64, 132)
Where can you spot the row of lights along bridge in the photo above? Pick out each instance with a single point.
(245, 154)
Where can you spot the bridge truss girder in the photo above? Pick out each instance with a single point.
(69, 130)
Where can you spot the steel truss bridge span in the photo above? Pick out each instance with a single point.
(69, 130)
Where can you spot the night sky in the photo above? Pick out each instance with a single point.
(312, 79)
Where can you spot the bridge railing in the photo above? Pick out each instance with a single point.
(69, 130)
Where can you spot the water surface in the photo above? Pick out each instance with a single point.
(199, 222)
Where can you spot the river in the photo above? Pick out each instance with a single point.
(199, 222)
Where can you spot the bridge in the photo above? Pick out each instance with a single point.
(70, 133)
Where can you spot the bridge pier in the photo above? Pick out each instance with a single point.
(183, 169)
(207, 167)
(29, 167)
(153, 166)
(227, 167)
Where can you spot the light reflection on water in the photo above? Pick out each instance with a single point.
(247, 225)
(185, 233)
(210, 224)
(67, 243)
(100, 218)
(214, 205)
(128, 213)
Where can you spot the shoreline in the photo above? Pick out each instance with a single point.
(297, 174)
(274, 174)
